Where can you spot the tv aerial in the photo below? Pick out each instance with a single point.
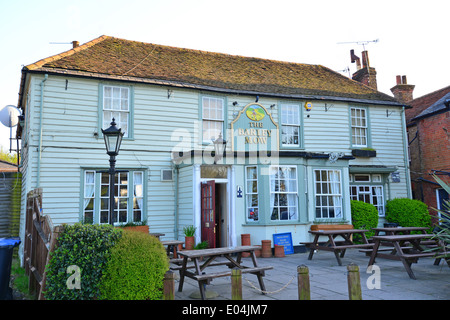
(363, 43)
(9, 117)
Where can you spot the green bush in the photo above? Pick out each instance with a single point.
(85, 246)
(408, 213)
(364, 216)
(136, 268)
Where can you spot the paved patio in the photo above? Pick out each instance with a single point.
(328, 280)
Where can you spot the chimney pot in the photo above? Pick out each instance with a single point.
(402, 91)
(365, 59)
(355, 58)
(75, 44)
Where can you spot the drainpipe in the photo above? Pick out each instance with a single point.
(175, 229)
(405, 152)
(38, 181)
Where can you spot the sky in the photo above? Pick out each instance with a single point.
(403, 37)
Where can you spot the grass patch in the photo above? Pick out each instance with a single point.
(19, 279)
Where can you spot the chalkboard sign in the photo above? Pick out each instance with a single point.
(284, 239)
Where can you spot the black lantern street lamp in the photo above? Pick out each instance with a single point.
(219, 148)
(113, 139)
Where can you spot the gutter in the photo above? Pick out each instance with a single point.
(41, 127)
(179, 84)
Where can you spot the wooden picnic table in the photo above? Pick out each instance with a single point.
(338, 247)
(210, 255)
(406, 248)
(397, 230)
(172, 246)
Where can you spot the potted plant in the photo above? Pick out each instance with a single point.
(189, 241)
(364, 152)
(201, 245)
(140, 226)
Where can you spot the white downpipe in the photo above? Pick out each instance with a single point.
(41, 128)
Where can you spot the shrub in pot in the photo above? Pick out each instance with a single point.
(189, 232)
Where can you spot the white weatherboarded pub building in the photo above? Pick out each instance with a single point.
(302, 141)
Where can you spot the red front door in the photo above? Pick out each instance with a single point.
(208, 215)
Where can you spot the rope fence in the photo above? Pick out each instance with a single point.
(303, 283)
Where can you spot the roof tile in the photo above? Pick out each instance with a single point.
(119, 58)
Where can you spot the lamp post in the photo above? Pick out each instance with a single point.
(219, 148)
(113, 139)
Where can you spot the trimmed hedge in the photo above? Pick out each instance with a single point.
(136, 268)
(408, 213)
(364, 216)
(87, 247)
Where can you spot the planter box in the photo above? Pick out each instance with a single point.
(316, 227)
(143, 229)
(364, 153)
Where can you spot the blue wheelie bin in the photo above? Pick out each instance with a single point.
(6, 251)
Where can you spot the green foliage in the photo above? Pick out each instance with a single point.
(85, 246)
(136, 268)
(189, 231)
(364, 216)
(408, 213)
(202, 245)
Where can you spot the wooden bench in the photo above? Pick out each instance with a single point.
(211, 276)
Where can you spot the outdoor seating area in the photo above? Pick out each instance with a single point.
(199, 268)
(399, 243)
(328, 280)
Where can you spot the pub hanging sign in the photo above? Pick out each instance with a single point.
(254, 130)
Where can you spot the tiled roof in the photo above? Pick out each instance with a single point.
(114, 58)
(419, 105)
(7, 166)
(437, 107)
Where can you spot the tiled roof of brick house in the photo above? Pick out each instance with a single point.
(421, 104)
(113, 58)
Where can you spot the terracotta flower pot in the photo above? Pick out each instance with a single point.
(258, 251)
(279, 251)
(266, 250)
(245, 241)
(189, 243)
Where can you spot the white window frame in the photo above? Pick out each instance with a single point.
(117, 104)
(290, 121)
(251, 195)
(212, 118)
(359, 127)
(131, 199)
(290, 193)
(375, 198)
(328, 194)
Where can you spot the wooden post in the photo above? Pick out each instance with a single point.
(304, 292)
(236, 284)
(169, 286)
(354, 282)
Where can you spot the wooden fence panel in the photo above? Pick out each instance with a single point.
(38, 239)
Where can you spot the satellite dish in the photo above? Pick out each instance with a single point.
(9, 116)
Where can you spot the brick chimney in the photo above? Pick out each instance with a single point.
(403, 91)
(75, 44)
(366, 74)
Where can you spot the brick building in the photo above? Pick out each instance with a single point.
(428, 125)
